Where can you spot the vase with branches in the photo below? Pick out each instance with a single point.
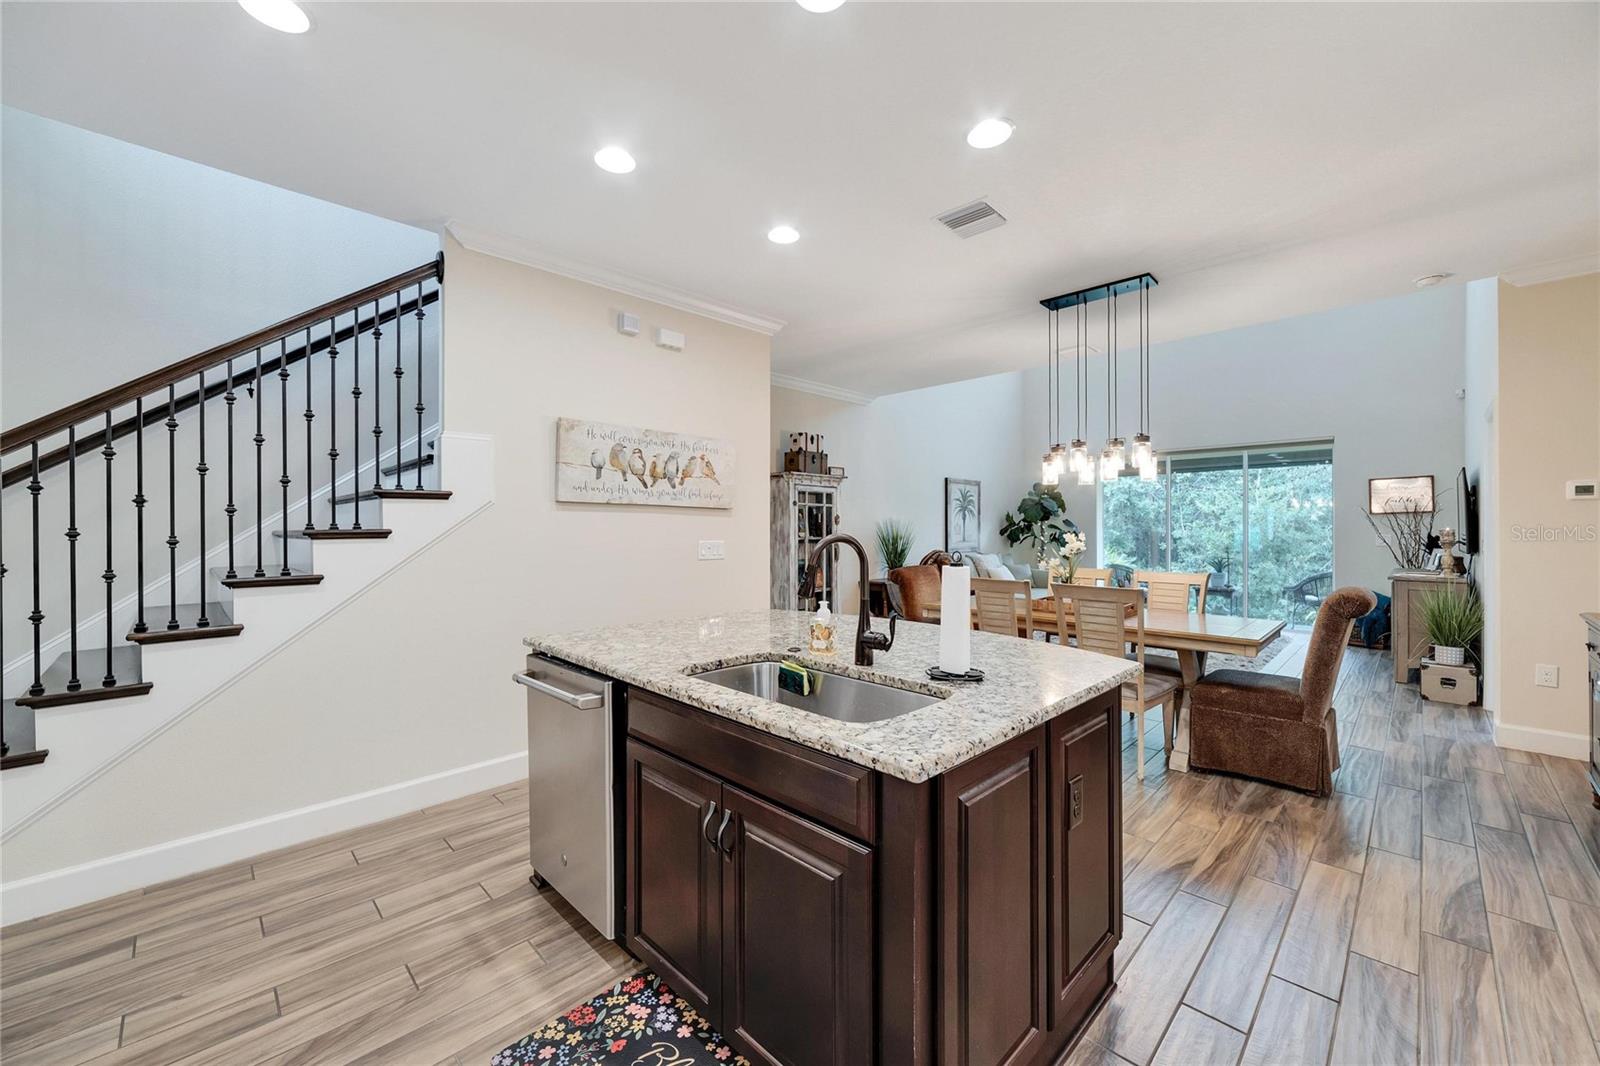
(1405, 532)
(894, 539)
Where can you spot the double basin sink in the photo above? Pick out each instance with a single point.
(844, 699)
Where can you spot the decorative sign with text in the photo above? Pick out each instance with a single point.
(601, 463)
(1400, 495)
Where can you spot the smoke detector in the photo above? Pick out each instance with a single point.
(968, 220)
(1428, 281)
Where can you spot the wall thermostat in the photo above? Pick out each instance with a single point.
(627, 325)
(669, 339)
(1583, 490)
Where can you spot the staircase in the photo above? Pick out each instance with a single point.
(194, 496)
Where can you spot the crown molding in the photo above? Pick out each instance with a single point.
(516, 250)
(817, 388)
(1553, 270)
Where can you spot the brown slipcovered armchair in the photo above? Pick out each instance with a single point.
(1281, 729)
(913, 589)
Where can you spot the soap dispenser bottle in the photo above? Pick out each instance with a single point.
(822, 630)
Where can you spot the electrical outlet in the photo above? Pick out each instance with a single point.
(1547, 676)
(712, 549)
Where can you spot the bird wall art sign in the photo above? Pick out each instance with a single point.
(601, 463)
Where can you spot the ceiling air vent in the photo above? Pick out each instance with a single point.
(970, 219)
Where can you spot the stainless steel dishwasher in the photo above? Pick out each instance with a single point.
(571, 822)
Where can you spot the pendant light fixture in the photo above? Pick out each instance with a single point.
(1144, 453)
(1053, 463)
(1113, 457)
(1078, 459)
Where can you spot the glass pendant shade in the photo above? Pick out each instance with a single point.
(1086, 471)
(1150, 469)
(1110, 464)
(1116, 450)
(1078, 458)
(1049, 472)
(1141, 451)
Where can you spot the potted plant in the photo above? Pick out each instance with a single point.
(1454, 624)
(894, 539)
(1042, 521)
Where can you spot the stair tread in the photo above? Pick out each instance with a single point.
(125, 664)
(412, 494)
(274, 578)
(221, 624)
(366, 533)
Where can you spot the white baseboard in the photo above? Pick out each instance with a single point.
(75, 885)
(1544, 741)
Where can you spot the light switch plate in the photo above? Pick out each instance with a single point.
(712, 549)
(1547, 676)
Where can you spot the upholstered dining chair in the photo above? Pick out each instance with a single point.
(1279, 729)
(1003, 606)
(916, 588)
(938, 557)
(1099, 616)
(1169, 590)
(1092, 575)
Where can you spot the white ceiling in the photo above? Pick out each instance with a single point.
(1261, 160)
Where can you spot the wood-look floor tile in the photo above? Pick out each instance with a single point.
(1564, 866)
(1397, 821)
(1517, 755)
(1195, 1040)
(1489, 797)
(1510, 879)
(1163, 870)
(1402, 763)
(1133, 934)
(315, 915)
(1359, 772)
(1377, 1023)
(1405, 727)
(1088, 1053)
(1216, 874)
(1137, 1012)
(1477, 752)
(1293, 1026)
(1544, 1020)
(1257, 799)
(146, 1047)
(1286, 845)
(1343, 840)
(1367, 731)
(1158, 813)
(1230, 979)
(1208, 804)
(1133, 849)
(1579, 927)
(1533, 791)
(1314, 942)
(1452, 893)
(90, 1043)
(1445, 812)
(1461, 1020)
(1388, 918)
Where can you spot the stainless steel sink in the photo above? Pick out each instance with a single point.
(845, 699)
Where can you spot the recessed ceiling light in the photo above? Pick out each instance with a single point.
(282, 15)
(1428, 281)
(783, 234)
(614, 159)
(821, 7)
(990, 133)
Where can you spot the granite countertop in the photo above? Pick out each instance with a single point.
(1027, 682)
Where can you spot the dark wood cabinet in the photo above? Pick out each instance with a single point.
(821, 914)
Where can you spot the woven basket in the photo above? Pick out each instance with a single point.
(1448, 656)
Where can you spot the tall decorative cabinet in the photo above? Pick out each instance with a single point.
(805, 508)
(1408, 635)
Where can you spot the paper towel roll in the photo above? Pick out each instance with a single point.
(955, 620)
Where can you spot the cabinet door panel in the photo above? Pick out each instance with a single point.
(797, 938)
(992, 869)
(1085, 841)
(673, 874)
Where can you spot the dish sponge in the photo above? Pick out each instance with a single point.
(792, 677)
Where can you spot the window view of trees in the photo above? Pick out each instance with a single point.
(1194, 518)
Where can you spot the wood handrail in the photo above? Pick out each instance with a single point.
(128, 391)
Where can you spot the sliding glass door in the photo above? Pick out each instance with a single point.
(1259, 520)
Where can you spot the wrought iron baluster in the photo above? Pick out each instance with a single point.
(202, 469)
(355, 418)
(283, 425)
(259, 441)
(231, 510)
(420, 407)
(139, 501)
(172, 506)
(377, 395)
(333, 422)
(37, 615)
(73, 684)
(310, 415)
(110, 576)
(399, 380)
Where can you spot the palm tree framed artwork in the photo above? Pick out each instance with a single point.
(963, 514)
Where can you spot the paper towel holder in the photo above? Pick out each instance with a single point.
(974, 675)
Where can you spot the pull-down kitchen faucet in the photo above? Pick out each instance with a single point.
(867, 641)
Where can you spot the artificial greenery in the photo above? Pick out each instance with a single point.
(1452, 621)
(894, 542)
(1042, 521)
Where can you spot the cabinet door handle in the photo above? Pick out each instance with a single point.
(726, 815)
(705, 823)
(1075, 802)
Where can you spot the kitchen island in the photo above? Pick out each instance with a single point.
(939, 886)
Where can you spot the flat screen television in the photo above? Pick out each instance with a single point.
(1467, 511)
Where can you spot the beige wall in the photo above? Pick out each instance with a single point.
(1481, 436)
(413, 677)
(1548, 432)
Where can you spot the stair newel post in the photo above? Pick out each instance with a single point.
(420, 406)
(172, 507)
(110, 576)
(399, 380)
(231, 510)
(333, 422)
(139, 501)
(283, 428)
(310, 416)
(355, 416)
(259, 440)
(73, 684)
(202, 469)
(377, 395)
(37, 615)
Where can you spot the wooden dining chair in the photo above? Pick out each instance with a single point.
(1100, 615)
(1169, 590)
(917, 589)
(1092, 575)
(1003, 606)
